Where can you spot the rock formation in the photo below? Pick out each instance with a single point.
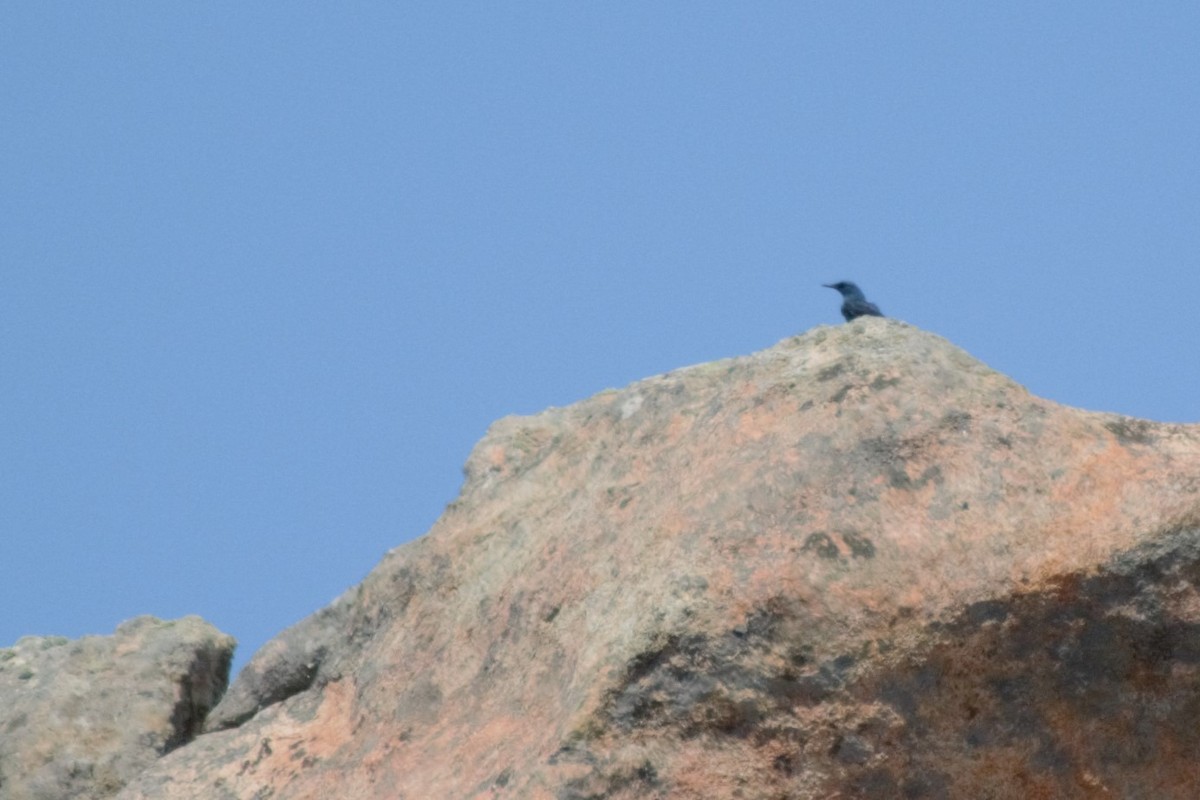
(80, 718)
(857, 564)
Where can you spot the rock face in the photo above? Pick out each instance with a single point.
(80, 718)
(857, 564)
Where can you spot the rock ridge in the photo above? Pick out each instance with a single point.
(858, 562)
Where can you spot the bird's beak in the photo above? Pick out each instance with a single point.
(827, 285)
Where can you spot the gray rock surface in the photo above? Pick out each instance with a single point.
(284, 666)
(80, 718)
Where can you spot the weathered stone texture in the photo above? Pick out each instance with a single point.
(857, 564)
(80, 718)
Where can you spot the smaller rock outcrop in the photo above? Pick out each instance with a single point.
(81, 718)
(287, 665)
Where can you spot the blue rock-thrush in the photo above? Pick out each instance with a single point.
(854, 303)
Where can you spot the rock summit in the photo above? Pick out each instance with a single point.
(857, 564)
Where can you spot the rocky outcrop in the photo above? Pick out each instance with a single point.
(80, 718)
(857, 564)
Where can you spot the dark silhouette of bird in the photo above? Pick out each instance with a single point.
(854, 302)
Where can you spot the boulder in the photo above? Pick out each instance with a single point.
(80, 718)
(857, 564)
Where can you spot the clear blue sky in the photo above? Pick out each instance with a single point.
(267, 273)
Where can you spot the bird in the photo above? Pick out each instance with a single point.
(854, 302)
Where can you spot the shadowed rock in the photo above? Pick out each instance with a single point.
(80, 718)
(857, 564)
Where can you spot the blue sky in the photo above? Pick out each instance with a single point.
(266, 276)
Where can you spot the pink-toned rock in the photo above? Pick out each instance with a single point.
(857, 564)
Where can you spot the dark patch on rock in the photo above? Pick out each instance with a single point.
(197, 695)
(1075, 675)
(1132, 431)
(850, 749)
(880, 382)
(840, 394)
(957, 421)
(925, 786)
(831, 372)
(860, 546)
(876, 784)
(892, 455)
(821, 544)
(986, 611)
(702, 685)
(641, 778)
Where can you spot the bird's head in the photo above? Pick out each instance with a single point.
(848, 289)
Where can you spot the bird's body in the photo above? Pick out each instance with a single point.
(854, 302)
